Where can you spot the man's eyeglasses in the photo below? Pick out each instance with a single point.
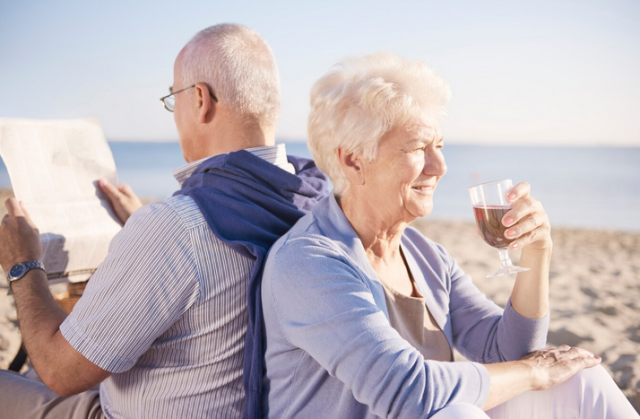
(169, 101)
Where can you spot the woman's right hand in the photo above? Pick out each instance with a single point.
(540, 370)
(552, 366)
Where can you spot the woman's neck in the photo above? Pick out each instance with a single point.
(380, 233)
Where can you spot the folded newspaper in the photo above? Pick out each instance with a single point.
(54, 168)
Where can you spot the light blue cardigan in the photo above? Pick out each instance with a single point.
(330, 349)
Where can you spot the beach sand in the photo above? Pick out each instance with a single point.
(595, 292)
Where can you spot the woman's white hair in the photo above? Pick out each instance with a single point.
(239, 67)
(362, 98)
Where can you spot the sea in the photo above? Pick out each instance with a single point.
(579, 187)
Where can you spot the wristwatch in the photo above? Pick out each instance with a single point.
(20, 269)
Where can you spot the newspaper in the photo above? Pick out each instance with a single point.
(54, 168)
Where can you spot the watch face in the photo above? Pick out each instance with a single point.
(17, 271)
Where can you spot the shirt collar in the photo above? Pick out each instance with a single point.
(275, 154)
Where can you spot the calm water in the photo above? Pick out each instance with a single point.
(579, 187)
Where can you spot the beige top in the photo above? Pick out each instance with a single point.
(413, 321)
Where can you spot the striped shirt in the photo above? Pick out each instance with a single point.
(166, 314)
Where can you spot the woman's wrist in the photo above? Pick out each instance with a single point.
(509, 379)
(533, 378)
(544, 248)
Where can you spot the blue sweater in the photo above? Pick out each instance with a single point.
(330, 349)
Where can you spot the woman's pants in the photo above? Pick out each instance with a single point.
(590, 394)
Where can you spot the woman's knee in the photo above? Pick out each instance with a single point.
(461, 410)
(590, 379)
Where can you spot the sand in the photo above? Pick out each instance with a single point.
(595, 292)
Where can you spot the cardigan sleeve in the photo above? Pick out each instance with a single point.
(484, 332)
(324, 305)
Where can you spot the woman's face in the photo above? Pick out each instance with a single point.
(402, 179)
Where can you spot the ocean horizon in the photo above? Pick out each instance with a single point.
(580, 187)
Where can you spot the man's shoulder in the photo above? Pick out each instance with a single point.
(179, 209)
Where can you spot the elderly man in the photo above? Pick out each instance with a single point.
(162, 323)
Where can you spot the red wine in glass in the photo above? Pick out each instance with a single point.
(489, 221)
(489, 206)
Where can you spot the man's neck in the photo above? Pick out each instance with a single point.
(228, 140)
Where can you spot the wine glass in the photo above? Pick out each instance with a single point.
(489, 206)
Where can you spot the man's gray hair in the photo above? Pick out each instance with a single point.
(239, 67)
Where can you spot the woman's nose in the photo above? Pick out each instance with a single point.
(434, 163)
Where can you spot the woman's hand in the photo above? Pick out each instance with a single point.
(123, 200)
(527, 221)
(540, 370)
(552, 366)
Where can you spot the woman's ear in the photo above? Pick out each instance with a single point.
(352, 165)
(206, 104)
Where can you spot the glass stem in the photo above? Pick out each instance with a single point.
(505, 260)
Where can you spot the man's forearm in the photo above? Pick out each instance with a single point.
(530, 296)
(60, 366)
(63, 369)
(40, 318)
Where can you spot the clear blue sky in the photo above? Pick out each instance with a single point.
(521, 72)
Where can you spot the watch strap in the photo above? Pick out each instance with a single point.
(34, 264)
(26, 267)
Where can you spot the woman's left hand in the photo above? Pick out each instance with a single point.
(527, 221)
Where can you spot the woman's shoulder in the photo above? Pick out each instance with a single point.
(417, 241)
(305, 265)
(305, 236)
(430, 258)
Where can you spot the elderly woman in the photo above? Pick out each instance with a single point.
(362, 312)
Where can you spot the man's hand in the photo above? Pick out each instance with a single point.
(19, 236)
(123, 200)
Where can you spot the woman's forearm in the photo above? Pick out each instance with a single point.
(508, 380)
(530, 295)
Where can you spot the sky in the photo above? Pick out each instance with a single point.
(521, 72)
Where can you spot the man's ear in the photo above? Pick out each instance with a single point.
(206, 104)
(352, 166)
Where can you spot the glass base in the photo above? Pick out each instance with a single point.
(507, 270)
